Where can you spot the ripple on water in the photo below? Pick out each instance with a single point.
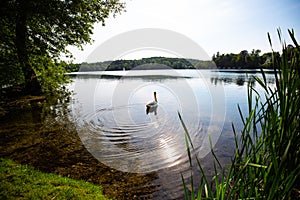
(127, 139)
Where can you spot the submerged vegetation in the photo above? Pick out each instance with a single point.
(266, 162)
(48, 141)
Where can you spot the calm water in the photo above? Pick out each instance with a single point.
(113, 124)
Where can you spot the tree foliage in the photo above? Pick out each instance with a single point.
(144, 63)
(245, 60)
(45, 28)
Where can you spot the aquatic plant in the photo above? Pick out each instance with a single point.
(266, 162)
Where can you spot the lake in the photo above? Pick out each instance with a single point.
(112, 122)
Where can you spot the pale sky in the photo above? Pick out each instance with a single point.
(227, 26)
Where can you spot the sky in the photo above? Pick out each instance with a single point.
(225, 26)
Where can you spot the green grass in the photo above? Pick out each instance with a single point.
(266, 163)
(23, 182)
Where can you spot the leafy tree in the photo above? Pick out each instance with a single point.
(243, 59)
(146, 63)
(45, 28)
(51, 74)
(255, 59)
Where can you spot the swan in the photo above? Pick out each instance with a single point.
(152, 109)
(153, 103)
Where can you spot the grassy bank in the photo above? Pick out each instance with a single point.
(23, 182)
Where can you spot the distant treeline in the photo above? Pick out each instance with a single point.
(242, 60)
(144, 63)
(245, 60)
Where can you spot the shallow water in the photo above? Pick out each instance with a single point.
(115, 128)
(106, 136)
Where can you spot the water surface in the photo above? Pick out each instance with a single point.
(116, 129)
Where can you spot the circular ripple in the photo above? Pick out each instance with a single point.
(134, 142)
(117, 131)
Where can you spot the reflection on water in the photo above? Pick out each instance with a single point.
(236, 78)
(115, 128)
(43, 134)
(142, 153)
(118, 132)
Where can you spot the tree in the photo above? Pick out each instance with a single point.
(45, 28)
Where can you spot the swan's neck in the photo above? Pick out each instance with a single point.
(155, 99)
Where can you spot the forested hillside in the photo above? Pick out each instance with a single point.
(242, 60)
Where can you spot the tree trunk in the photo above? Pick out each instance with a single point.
(32, 84)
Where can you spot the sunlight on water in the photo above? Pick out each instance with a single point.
(123, 136)
(116, 129)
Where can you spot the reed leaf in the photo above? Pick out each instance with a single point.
(266, 162)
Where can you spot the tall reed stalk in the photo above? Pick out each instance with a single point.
(266, 163)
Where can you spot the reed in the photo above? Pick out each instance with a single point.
(266, 162)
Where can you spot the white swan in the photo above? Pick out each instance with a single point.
(153, 103)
